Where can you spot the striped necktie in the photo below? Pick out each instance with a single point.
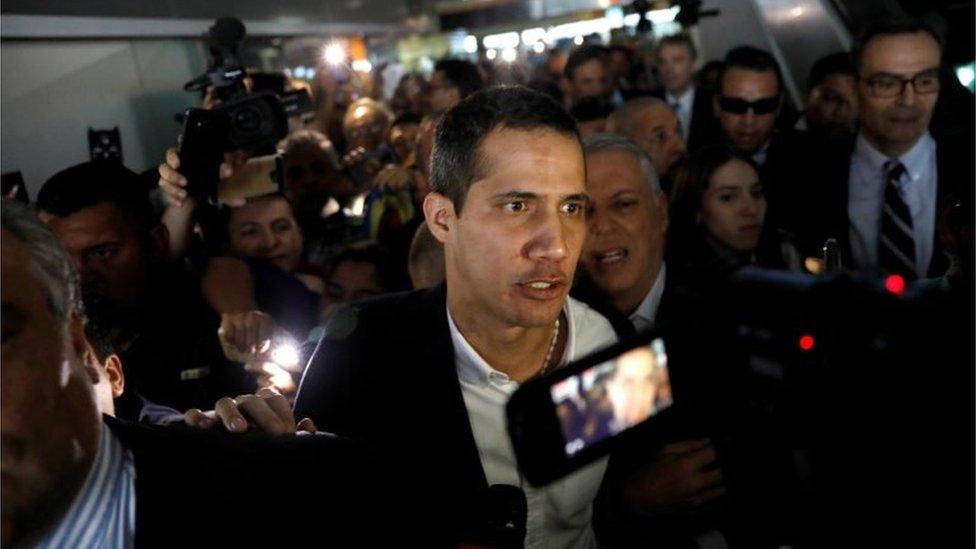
(896, 242)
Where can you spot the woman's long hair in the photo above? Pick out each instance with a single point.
(686, 237)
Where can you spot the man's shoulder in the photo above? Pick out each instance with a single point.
(402, 312)
(176, 465)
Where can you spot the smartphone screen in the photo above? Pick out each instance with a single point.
(613, 396)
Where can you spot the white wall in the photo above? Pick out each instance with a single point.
(738, 25)
(54, 90)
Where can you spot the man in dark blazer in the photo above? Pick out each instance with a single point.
(423, 377)
(880, 198)
(73, 477)
(676, 57)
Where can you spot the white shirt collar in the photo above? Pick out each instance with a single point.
(685, 99)
(472, 367)
(915, 159)
(647, 310)
(759, 157)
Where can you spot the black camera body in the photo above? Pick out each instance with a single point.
(253, 123)
(241, 121)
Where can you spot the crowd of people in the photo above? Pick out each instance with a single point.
(537, 215)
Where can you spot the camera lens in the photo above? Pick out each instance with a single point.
(247, 120)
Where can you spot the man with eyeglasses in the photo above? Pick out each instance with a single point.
(883, 212)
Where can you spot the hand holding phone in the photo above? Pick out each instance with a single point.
(679, 480)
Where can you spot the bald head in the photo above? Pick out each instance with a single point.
(651, 124)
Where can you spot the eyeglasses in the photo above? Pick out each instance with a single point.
(890, 85)
(734, 105)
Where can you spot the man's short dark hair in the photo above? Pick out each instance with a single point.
(752, 59)
(457, 161)
(891, 25)
(680, 39)
(582, 55)
(461, 74)
(95, 182)
(835, 63)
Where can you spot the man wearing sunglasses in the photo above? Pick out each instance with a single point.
(882, 197)
(747, 104)
(750, 94)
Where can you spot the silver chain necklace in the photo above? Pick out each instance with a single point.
(552, 347)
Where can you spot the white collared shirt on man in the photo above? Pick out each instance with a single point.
(645, 315)
(683, 106)
(560, 514)
(865, 200)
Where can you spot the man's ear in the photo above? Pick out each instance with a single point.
(716, 109)
(439, 211)
(113, 367)
(159, 244)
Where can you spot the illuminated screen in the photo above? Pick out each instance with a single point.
(613, 396)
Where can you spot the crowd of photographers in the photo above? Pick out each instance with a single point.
(611, 191)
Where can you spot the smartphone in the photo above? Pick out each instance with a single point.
(579, 413)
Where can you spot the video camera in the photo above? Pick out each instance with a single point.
(819, 394)
(251, 120)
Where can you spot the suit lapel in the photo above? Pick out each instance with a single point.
(439, 353)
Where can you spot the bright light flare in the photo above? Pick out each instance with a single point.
(509, 55)
(539, 47)
(491, 54)
(362, 65)
(334, 54)
(286, 355)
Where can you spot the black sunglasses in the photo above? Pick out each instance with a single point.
(734, 105)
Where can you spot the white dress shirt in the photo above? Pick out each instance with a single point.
(683, 106)
(865, 200)
(646, 313)
(560, 514)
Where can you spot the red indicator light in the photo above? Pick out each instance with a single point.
(806, 342)
(895, 284)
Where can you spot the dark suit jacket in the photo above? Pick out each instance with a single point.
(208, 488)
(384, 374)
(820, 212)
(704, 128)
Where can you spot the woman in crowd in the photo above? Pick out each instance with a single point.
(717, 219)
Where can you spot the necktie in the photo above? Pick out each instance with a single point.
(896, 242)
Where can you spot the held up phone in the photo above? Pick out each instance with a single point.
(579, 413)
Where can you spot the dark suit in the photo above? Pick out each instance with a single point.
(385, 375)
(704, 127)
(200, 488)
(820, 212)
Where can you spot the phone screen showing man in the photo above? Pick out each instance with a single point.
(611, 397)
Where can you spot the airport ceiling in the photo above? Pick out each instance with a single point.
(304, 11)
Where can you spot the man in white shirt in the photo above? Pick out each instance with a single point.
(423, 377)
(893, 172)
(881, 197)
